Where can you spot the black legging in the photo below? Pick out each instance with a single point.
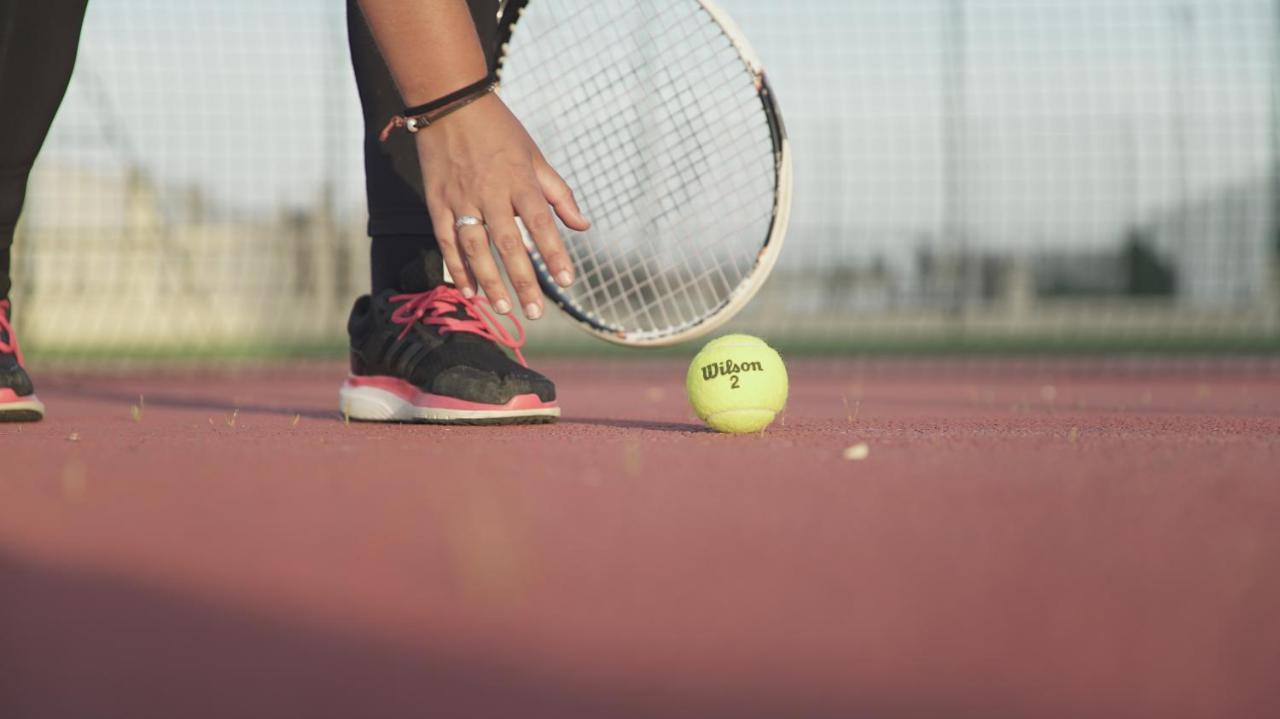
(38, 43)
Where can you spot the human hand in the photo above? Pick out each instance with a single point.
(481, 162)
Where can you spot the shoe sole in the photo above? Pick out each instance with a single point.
(24, 409)
(388, 399)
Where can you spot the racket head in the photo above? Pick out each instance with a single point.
(664, 123)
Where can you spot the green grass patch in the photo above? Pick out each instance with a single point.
(587, 347)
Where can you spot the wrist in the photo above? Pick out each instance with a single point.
(421, 117)
(484, 85)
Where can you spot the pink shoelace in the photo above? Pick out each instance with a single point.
(430, 307)
(10, 345)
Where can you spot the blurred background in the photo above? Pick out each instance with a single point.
(972, 176)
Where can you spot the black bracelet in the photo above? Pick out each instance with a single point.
(414, 123)
(451, 98)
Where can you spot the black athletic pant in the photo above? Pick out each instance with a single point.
(38, 40)
(398, 219)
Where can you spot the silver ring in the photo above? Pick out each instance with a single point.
(467, 220)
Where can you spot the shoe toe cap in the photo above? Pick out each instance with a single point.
(14, 377)
(476, 385)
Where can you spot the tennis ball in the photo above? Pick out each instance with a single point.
(737, 383)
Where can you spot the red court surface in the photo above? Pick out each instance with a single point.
(1071, 542)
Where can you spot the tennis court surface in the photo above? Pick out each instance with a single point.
(1066, 540)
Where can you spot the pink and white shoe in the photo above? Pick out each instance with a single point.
(428, 354)
(18, 401)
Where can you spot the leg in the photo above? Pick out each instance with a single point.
(37, 52)
(420, 351)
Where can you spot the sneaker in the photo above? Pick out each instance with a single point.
(18, 401)
(425, 353)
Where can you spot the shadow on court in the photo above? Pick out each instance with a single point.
(173, 400)
(86, 644)
(678, 427)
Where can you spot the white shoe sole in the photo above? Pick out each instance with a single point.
(376, 404)
(30, 409)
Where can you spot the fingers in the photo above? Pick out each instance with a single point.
(473, 246)
(560, 196)
(506, 238)
(442, 220)
(537, 218)
(468, 250)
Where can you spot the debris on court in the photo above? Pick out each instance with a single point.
(851, 415)
(857, 452)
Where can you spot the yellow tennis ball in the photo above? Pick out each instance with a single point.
(737, 384)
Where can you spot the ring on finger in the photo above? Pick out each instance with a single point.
(468, 221)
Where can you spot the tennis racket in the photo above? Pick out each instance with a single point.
(658, 114)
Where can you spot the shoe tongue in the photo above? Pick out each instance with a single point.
(424, 273)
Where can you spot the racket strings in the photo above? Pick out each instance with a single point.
(650, 114)
(745, 262)
(683, 167)
(705, 252)
(716, 296)
(698, 280)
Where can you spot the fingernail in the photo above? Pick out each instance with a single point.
(564, 278)
(468, 292)
(502, 306)
(532, 311)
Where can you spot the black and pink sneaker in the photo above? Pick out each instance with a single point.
(18, 401)
(425, 353)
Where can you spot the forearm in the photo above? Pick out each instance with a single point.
(430, 46)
